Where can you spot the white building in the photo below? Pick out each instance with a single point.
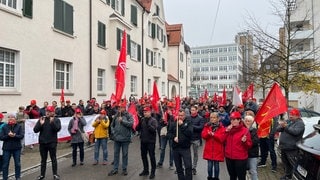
(215, 67)
(47, 45)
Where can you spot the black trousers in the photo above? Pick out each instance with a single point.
(179, 155)
(289, 160)
(52, 149)
(74, 151)
(237, 168)
(148, 148)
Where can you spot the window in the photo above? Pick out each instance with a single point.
(149, 86)
(101, 78)
(159, 60)
(8, 65)
(155, 59)
(149, 57)
(134, 50)
(181, 56)
(27, 8)
(63, 16)
(133, 84)
(151, 30)
(181, 74)
(101, 34)
(157, 13)
(163, 88)
(163, 65)
(134, 14)
(118, 6)
(119, 41)
(62, 75)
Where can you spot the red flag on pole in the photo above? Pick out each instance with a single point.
(133, 111)
(120, 73)
(113, 100)
(274, 104)
(205, 95)
(224, 97)
(62, 95)
(155, 97)
(177, 99)
(248, 93)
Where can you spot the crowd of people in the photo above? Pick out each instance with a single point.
(228, 132)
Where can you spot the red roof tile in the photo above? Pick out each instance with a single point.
(172, 78)
(146, 4)
(174, 34)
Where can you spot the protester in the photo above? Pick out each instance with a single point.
(11, 135)
(223, 116)
(121, 128)
(33, 110)
(101, 134)
(21, 117)
(291, 132)
(1, 142)
(197, 124)
(48, 126)
(237, 143)
(213, 152)
(148, 134)
(253, 152)
(181, 134)
(75, 128)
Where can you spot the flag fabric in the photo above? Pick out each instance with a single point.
(120, 73)
(274, 104)
(62, 95)
(248, 93)
(133, 111)
(155, 98)
(224, 97)
(177, 109)
(215, 97)
(113, 100)
(205, 95)
(236, 98)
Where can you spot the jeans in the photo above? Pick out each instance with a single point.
(52, 149)
(237, 169)
(289, 161)
(179, 155)
(267, 145)
(148, 148)
(195, 146)
(164, 141)
(252, 163)
(215, 165)
(74, 152)
(101, 142)
(6, 161)
(125, 148)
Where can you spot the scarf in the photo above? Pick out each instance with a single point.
(75, 126)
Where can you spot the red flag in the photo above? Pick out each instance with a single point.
(177, 99)
(62, 95)
(273, 105)
(120, 73)
(205, 95)
(224, 97)
(155, 97)
(248, 93)
(113, 99)
(133, 111)
(215, 97)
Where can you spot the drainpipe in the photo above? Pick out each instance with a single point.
(90, 49)
(179, 69)
(142, 52)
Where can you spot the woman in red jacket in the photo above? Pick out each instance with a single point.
(213, 133)
(237, 143)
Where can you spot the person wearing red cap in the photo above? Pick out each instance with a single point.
(76, 128)
(48, 128)
(148, 135)
(291, 132)
(101, 134)
(237, 143)
(33, 110)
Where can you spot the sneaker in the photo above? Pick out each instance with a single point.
(56, 177)
(274, 169)
(124, 172)
(194, 171)
(171, 168)
(159, 165)
(40, 177)
(144, 173)
(113, 172)
(261, 164)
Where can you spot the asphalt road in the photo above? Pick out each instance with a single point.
(30, 166)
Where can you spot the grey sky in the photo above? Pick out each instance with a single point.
(198, 18)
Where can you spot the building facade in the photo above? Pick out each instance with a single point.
(49, 45)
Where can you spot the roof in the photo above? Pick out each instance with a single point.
(172, 78)
(146, 4)
(174, 34)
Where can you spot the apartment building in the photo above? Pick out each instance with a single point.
(49, 45)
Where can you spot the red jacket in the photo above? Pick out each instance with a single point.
(213, 148)
(234, 147)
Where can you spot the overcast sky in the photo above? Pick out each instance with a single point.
(198, 18)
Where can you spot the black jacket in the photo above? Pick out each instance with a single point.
(48, 131)
(148, 130)
(197, 123)
(254, 150)
(185, 132)
(11, 143)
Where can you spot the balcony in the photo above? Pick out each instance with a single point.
(304, 34)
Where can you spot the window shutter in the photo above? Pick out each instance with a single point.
(139, 52)
(118, 39)
(113, 4)
(147, 57)
(153, 30)
(58, 14)
(108, 2)
(103, 35)
(27, 8)
(151, 58)
(122, 7)
(134, 18)
(68, 19)
(128, 44)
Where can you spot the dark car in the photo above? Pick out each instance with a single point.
(308, 160)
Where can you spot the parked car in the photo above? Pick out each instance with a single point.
(308, 160)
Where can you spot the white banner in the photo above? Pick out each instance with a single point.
(32, 138)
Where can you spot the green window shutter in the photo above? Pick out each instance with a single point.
(122, 7)
(147, 57)
(151, 58)
(108, 2)
(118, 39)
(134, 14)
(139, 52)
(58, 14)
(101, 34)
(68, 19)
(128, 44)
(113, 4)
(27, 8)
(153, 30)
